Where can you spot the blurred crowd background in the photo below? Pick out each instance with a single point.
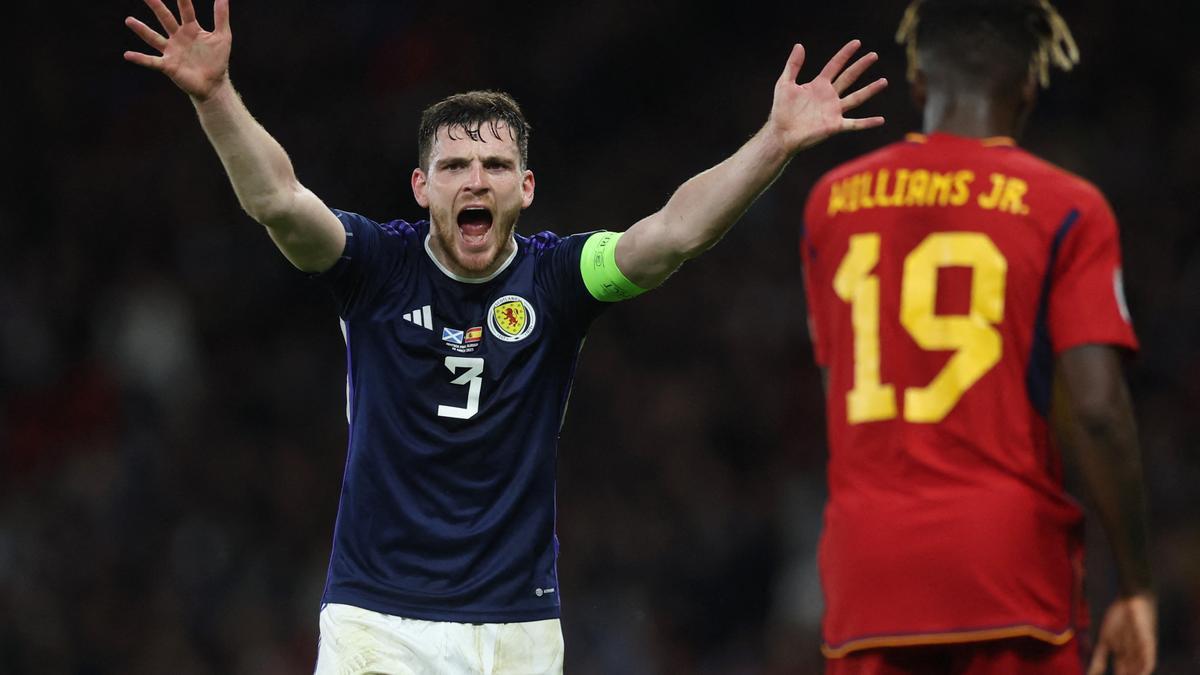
(172, 429)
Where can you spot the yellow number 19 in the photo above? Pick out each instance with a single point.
(973, 337)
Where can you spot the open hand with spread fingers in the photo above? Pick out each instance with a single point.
(196, 60)
(805, 114)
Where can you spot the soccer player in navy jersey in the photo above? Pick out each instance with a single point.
(462, 339)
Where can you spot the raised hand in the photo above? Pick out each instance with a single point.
(805, 114)
(1127, 635)
(196, 60)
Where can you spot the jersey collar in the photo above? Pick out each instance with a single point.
(471, 280)
(989, 142)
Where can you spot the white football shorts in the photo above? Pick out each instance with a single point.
(357, 641)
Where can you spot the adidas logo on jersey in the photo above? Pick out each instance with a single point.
(422, 317)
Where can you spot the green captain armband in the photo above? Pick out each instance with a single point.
(598, 265)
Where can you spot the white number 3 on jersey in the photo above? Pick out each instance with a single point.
(473, 378)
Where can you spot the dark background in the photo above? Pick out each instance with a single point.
(172, 429)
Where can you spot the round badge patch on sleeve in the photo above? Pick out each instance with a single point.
(511, 318)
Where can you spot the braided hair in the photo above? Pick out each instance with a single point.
(989, 40)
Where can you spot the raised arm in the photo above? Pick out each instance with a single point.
(703, 209)
(1094, 416)
(197, 61)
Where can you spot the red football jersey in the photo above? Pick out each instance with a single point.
(943, 274)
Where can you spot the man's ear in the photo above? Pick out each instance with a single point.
(420, 182)
(527, 185)
(918, 89)
(1029, 92)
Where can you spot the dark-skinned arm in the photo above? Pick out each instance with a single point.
(1093, 415)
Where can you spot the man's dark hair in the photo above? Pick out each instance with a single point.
(470, 113)
(991, 42)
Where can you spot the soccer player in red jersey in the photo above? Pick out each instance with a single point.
(966, 304)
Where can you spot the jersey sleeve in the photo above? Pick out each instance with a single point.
(374, 259)
(1087, 299)
(562, 280)
(809, 253)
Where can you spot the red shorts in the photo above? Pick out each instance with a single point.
(1000, 657)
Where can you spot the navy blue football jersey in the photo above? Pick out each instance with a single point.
(456, 393)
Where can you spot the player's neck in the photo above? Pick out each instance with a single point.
(454, 268)
(970, 114)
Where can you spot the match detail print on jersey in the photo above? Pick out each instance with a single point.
(973, 337)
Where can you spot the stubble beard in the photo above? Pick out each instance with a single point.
(472, 264)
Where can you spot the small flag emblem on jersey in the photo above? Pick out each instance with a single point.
(454, 337)
(475, 334)
(511, 318)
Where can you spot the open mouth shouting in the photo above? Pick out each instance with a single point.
(474, 223)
